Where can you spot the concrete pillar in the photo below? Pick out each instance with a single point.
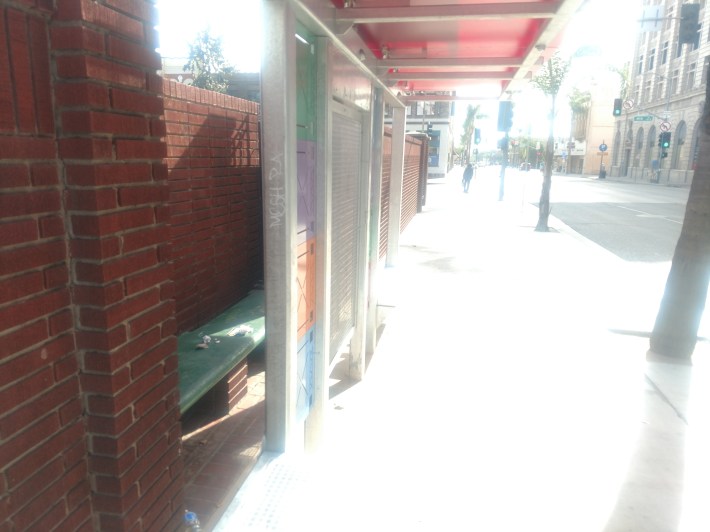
(357, 343)
(373, 252)
(396, 179)
(278, 93)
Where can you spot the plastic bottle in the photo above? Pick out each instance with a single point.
(192, 523)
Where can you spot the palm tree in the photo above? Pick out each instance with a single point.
(676, 329)
(549, 81)
(472, 113)
(579, 102)
(623, 73)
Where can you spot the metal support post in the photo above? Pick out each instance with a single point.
(396, 179)
(278, 93)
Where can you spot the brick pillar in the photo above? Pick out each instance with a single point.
(43, 465)
(108, 113)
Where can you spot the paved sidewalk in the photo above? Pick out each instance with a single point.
(509, 392)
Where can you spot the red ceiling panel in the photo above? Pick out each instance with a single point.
(449, 44)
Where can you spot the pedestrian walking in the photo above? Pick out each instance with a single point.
(467, 176)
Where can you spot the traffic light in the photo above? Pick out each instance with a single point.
(688, 28)
(664, 140)
(429, 128)
(617, 107)
(476, 136)
(505, 115)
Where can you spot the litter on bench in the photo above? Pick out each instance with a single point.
(242, 330)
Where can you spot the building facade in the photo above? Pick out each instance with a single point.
(435, 119)
(666, 92)
(592, 127)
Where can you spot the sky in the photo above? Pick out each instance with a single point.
(607, 24)
(236, 22)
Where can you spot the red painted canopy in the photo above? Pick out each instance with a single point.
(486, 46)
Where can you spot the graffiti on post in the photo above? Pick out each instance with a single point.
(277, 192)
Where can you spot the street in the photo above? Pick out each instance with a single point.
(635, 224)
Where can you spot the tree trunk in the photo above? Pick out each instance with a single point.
(676, 329)
(544, 209)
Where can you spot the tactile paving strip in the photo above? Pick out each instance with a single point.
(268, 499)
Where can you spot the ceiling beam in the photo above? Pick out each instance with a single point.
(442, 98)
(377, 15)
(414, 76)
(422, 62)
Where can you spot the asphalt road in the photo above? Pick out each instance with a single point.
(637, 222)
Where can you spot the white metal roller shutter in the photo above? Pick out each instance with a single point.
(346, 145)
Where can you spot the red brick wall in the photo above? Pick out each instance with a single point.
(88, 373)
(108, 109)
(215, 200)
(43, 451)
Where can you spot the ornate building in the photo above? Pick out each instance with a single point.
(666, 91)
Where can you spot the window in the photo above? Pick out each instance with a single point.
(647, 91)
(691, 76)
(696, 43)
(679, 50)
(651, 58)
(640, 65)
(704, 73)
(659, 89)
(669, 19)
(637, 93)
(664, 53)
(674, 82)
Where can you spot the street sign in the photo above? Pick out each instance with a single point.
(665, 126)
(643, 118)
(603, 147)
(628, 104)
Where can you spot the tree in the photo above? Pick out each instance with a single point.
(549, 81)
(623, 73)
(472, 113)
(579, 102)
(207, 63)
(676, 329)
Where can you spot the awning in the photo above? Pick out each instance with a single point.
(487, 48)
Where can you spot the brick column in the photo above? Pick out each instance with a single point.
(108, 114)
(43, 464)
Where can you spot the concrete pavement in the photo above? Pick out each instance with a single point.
(510, 392)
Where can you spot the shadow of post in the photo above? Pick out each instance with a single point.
(654, 490)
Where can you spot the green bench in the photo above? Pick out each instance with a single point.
(222, 366)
